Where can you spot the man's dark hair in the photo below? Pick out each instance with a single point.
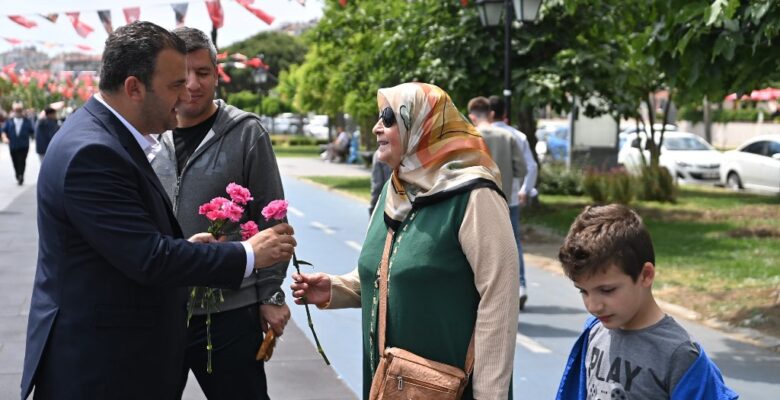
(49, 111)
(497, 106)
(195, 39)
(132, 50)
(605, 235)
(479, 106)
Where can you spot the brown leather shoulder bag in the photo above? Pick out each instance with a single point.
(404, 375)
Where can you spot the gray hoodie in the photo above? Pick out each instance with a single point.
(236, 149)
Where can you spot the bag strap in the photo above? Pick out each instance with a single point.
(383, 282)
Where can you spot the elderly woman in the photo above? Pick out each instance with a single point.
(453, 268)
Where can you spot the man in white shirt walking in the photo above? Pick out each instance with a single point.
(525, 188)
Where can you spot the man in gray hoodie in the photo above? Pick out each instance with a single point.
(216, 144)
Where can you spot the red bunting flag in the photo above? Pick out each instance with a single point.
(84, 47)
(256, 63)
(222, 74)
(23, 21)
(222, 56)
(464, 3)
(81, 28)
(13, 41)
(343, 3)
(215, 13)
(51, 17)
(180, 10)
(268, 19)
(132, 14)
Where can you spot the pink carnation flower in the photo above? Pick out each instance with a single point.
(238, 193)
(276, 209)
(216, 209)
(233, 211)
(248, 229)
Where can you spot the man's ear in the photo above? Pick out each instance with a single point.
(647, 276)
(134, 88)
(473, 118)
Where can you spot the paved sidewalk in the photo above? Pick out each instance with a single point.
(296, 371)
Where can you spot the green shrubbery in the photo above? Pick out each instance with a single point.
(723, 116)
(618, 186)
(556, 179)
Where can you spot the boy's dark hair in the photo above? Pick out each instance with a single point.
(132, 50)
(497, 106)
(605, 235)
(195, 39)
(479, 106)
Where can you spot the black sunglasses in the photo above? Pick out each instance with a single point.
(387, 116)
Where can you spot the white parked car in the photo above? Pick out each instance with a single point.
(685, 155)
(753, 165)
(317, 127)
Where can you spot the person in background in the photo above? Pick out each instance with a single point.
(630, 349)
(45, 130)
(215, 144)
(523, 190)
(17, 132)
(453, 265)
(380, 173)
(338, 150)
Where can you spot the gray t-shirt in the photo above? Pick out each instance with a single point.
(642, 364)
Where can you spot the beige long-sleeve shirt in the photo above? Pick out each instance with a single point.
(488, 243)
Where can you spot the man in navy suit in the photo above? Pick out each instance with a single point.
(16, 132)
(108, 310)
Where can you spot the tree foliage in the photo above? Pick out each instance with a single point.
(716, 47)
(278, 50)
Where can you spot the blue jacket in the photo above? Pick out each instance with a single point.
(703, 380)
(21, 141)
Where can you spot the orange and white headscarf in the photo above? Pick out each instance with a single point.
(443, 153)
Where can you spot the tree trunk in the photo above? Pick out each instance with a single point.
(707, 120)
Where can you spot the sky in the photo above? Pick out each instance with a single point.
(239, 23)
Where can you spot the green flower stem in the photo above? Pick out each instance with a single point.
(296, 263)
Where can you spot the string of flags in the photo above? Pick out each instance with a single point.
(133, 14)
(83, 84)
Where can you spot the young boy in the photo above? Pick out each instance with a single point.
(630, 349)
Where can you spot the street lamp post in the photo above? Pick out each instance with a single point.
(490, 13)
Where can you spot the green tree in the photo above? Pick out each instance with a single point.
(279, 51)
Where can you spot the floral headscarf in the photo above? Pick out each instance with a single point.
(443, 153)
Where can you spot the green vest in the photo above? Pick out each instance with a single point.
(432, 299)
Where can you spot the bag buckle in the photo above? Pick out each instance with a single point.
(400, 382)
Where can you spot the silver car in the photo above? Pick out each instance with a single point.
(753, 165)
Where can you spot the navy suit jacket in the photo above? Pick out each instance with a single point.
(108, 311)
(22, 141)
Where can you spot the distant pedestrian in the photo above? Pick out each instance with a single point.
(630, 349)
(522, 189)
(17, 132)
(380, 173)
(44, 131)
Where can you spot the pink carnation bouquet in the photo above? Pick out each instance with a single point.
(221, 212)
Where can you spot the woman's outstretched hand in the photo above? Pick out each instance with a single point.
(315, 287)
